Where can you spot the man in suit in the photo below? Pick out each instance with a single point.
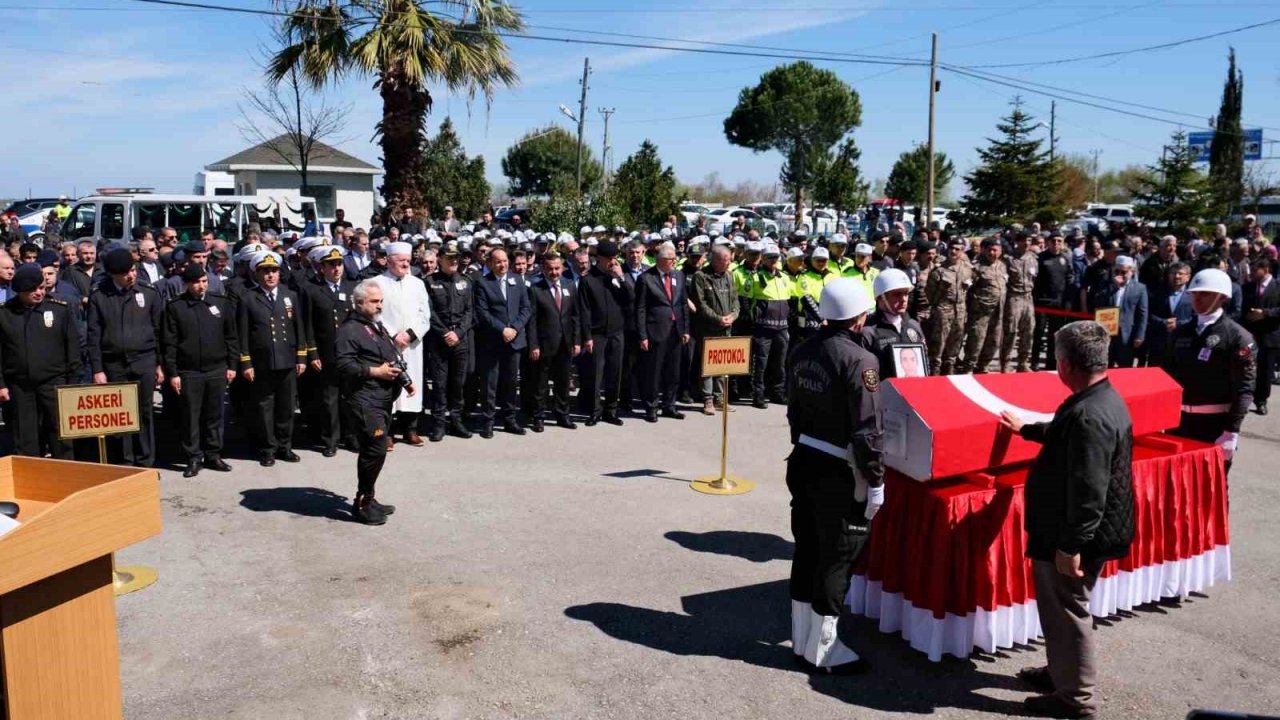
(555, 338)
(1131, 297)
(1167, 309)
(502, 313)
(662, 324)
(606, 294)
(326, 299)
(359, 258)
(1262, 320)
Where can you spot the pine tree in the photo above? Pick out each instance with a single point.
(1016, 182)
(1173, 192)
(1226, 151)
(449, 177)
(645, 191)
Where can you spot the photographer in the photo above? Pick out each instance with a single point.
(373, 375)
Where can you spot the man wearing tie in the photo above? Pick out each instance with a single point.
(502, 311)
(555, 338)
(1262, 320)
(327, 299)
(662, 323)
(356, 264)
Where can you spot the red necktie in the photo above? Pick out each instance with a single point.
(555, 292)
(666, 283)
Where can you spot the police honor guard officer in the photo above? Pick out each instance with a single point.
(889, 327)
(123, 322)
(273, 353)
(39, 350)
(1214, 360)
(327, 300)
(199, 355)
(834, 472)
(449, 345)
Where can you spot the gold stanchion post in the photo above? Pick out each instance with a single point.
(724, 483)
(129, 578)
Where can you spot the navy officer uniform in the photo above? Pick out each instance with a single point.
(326, 302)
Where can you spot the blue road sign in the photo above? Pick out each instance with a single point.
(1199, 143)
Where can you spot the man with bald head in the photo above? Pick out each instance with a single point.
(502, 312)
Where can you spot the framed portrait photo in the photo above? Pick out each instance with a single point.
(910, 361)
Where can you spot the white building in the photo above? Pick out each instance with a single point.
(334, 178)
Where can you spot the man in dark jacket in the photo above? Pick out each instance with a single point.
(662, 322)
(606, 294)
(1262, 320)
(715, 309)
(326, 299)
(502, 313)
(1079, 514)
(555, 338)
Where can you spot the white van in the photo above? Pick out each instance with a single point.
(113, 217)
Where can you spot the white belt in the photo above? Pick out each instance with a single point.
(1206, 409)
(824, 446)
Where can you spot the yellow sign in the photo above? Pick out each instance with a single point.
(1108, 318)
(726, 356)
(97, 410)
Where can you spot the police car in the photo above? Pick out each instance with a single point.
(31, 214)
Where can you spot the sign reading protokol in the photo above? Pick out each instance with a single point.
(93, 410)
(726, 356)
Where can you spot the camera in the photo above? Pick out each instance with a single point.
(403, 381)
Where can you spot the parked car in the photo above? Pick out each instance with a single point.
(816, 221)
(692, 211)
(1111, 213)
(721, 219)
(503, 218)
(31, 214)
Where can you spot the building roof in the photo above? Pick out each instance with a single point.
(264, 156)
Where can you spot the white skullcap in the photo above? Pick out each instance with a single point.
(1125, 261)
(399, 248)
(890, 280)
(844, 298)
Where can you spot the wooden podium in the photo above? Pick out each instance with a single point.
(58, 643)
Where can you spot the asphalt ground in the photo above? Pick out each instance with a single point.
(575, 575)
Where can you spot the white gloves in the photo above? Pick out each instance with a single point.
(875, 498)
(1228, 441)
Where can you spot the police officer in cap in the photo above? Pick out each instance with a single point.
(834, 473)
(198, 338)
(123, 323)
(327, 300)
(449, 344)
(369, 363)
(1215, 362)
(890, 328)
(39, 350)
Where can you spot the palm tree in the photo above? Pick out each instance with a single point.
(404, 46)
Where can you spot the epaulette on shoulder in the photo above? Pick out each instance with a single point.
(56, 301)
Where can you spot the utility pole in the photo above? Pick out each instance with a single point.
(933, 91)
(582, 118)
(1095, 154)
(604, 151)
(1053, 124)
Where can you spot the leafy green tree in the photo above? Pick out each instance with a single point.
(1015, 181)
(449, 177)
(1226, 151)
(405, 46)
(1173, 192)
(908, 181)
(643, 188)
(564, 212)
(545, 162)
(799, 111)
(840, 182)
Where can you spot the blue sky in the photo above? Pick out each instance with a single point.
(110, 92)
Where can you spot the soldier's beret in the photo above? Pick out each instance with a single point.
(118, 261)
(608, 249)
(47, 258)
(193, 272)
(27, 277)
(990, 242)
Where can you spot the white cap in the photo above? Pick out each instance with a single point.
(1211, 280)
(399, 248)
(482, 234)
(839, 239)
(771, 250)
(720, 241)
(654, 237)
(755, 246)
(820, 253)
(249, 250)
(1124, 261)
(802, 233)
(564, 237)
(862, 249)
(844, 298)
(494, 242)
(306, 243)
(598, 229)
(591, 242)
(266, 256)
(326, 252)
(714, 233)
(584, 230)
(738, 241)
(890, 280)
(795, 252)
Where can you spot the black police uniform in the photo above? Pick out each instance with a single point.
(1217, 369)
(199, 344)
(272, 341)
(122, 328)
(325, 307)
(834, 404)
(452, 310)
(880, 336)
(606, 303)
(39, 350)
(361, 345)
(1055, 277)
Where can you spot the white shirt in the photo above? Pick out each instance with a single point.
(1204, 321)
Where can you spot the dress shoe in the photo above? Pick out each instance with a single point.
(384, 509)
(193, 469)
(651, 416)
(459, 429)
(1051, 706)
(329, 451)
(592, 420)
(288, 456)
(685, 398)
(672, 413)
(436, 434)
(567, 423)
(514, 428)
(391, 444)
(1037, 678)
(613, 420)
(1262, 408)
(217, 464)
(760, 404)
(267, 461)
(486, 432)
(413, 438)
(538, 425)
(369, 514)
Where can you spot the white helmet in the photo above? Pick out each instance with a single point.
(1211, 280)
(844, 298)
(890, 280)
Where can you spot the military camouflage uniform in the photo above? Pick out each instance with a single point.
(1019, 310)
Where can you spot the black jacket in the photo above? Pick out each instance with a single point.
(38, 345)
(554, 329)
(362, 345)
(452, 305)
(1266, 332)
(655, 314)
(606, 302)
(1079, 491)
(324, 312)
(272, 336)
(198, 335)
(122, 325)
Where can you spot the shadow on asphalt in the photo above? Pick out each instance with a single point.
(305, 501)
(754, 546)
(750, 624)
(644, 473)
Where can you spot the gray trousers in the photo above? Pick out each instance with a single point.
(1063, 605)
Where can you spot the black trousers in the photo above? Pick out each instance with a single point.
(829, 527)
(603, 383)
(768, 355)
(372, 426)
(660, 371)
(499, 367)
(1205, 428)
(273, 394)
(139, 448)
(32, 418)
(448, 369)
(1262, 387)
(555, 367)
(1046, 326)
(200, 413)
(630, 383)
(320, 395)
